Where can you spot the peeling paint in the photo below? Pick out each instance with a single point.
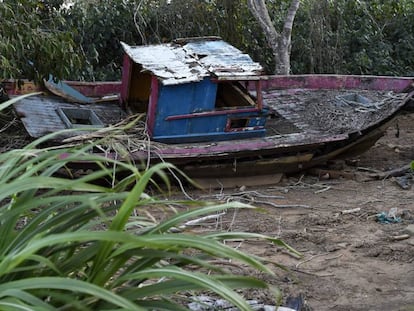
(175, 63)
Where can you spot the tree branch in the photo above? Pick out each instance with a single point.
(279, 42)
(287, 29)
(260, 12)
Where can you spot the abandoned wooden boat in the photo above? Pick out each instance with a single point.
(209, 110)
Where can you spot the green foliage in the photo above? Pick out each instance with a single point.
(81, 42)
(34, 41)
(329, 36)
(179, 18)
(101, 25)
(354, 37)
(74, 244)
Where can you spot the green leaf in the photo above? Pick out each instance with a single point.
(248, 235)
(14, 100)
(176, 285)
(181, 217)
(53, 283)
(200, 280)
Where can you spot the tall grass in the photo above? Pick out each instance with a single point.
(71, 244)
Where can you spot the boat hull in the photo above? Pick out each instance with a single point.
(300, 145)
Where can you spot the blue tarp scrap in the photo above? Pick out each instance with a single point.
(386, 218)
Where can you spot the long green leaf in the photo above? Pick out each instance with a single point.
(198, 279)
(70, 211)
(209, 246)
(177, 241)
(173, 286)
(16, 306)
(121, 219)
(130, 203)
(72, 285)
(14, 100)
(12, 260)
(26, 297)
(43, 182)
(247, 235)
(181, 217)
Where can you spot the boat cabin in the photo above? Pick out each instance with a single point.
(193, 90)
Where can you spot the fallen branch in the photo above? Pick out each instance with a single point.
(313, 274)
(323, 190)
(350, 211)
(310, 258)
(283, 205)
(392, 173)
(400, 237)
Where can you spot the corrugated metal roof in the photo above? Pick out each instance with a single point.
(192, 60)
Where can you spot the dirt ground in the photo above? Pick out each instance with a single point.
(351, 261)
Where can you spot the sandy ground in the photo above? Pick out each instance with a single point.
(351, 261)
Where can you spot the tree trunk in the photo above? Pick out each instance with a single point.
(279, 42)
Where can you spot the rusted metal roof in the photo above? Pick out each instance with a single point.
(190, 60)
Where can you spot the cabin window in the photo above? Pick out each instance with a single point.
(238, 123)
(233, 94)
(77, 118)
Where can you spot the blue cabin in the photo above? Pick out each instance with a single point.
(193, 90)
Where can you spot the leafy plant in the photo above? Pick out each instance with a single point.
(74, 244)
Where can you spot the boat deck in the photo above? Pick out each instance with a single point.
(293, 112)
(301, 118)
(327, 111)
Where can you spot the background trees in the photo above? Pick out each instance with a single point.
(82, 41)
(99, 27)
(35, 40)
(354, 37)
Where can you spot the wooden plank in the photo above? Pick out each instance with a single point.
(238, 182)
(65, 91)
(40, 117)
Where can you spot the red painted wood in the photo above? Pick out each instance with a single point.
(152, 105)
(259, 94)
(90, 89)
(396, 84)
(96, 89)
(126, 78)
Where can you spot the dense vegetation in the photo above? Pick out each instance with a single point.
(81, 41)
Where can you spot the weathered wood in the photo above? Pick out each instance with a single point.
(238, 182)
(295, 141)
(400, 171)
(40, 116)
